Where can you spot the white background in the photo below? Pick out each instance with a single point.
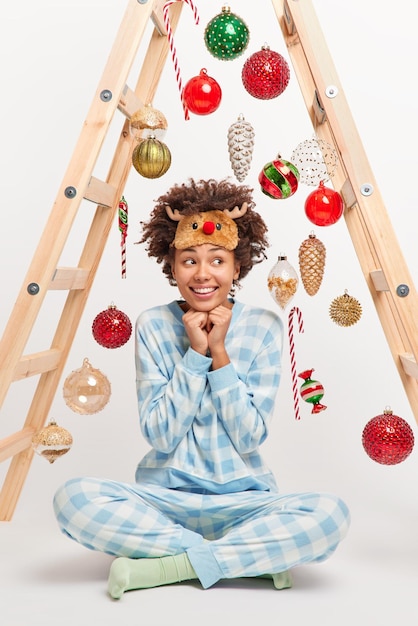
(53, 54)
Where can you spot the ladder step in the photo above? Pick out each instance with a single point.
(37, 363)
(100, 192)
(22, 440)
(379, 280)
(69, 278)
(129, 102)
(409, 364)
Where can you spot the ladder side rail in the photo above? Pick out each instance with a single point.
(72, 190)
(367, 221)
(99, 231)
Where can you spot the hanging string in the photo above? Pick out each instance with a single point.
(294, 311)
(123, 227)
(173, 50)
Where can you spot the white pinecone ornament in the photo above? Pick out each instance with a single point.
(312, 255)
(240, 146)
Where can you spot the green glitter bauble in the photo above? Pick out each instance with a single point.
(226, 35)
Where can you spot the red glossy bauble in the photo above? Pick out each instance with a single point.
(388, 439)
(111, 328)
(202, 94)
(265, 74)
(324, 206)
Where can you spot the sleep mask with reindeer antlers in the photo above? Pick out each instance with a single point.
(216, 227)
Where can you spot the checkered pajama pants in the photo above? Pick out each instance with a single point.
(230, 535)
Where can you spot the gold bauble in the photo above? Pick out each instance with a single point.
(147, 118)
(86, 390)
(151, 158)
(52, 442)
(345, 310)
(312, 255)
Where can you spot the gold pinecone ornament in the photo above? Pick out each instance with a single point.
(312, 256)
(345, 310)
(240, 147)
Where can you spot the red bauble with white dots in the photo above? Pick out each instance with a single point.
(388, 439)
(111, 328)
(265, 74)
(324, 206)
(202, 94)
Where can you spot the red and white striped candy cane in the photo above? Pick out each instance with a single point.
(294, 311)
(173, 50)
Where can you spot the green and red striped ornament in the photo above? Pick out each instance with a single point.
(312, 391)
(279, 179)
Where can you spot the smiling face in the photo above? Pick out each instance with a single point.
(204, 275)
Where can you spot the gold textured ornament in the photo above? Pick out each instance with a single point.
(52, 442)
(151, 157)
(147, 118)
(86, 390)
(345, 310)
(240, 147)
(312, 256)
(282, 282)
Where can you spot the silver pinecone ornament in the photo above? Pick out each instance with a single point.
(240, 146)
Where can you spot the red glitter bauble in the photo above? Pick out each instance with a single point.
(265, 74)
(388, 439)
(202, 94)
(324, 206)
(111, 328)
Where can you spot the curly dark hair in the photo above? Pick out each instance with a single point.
(198, 197)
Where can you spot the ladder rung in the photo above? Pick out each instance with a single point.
(158, 17)
(69, 278)
(129, 102)
(409, 364)
(37, 363)
(348, 194)
(379, 280)
(100, 192)
(16, 443)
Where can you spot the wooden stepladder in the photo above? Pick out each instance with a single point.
(387, 276)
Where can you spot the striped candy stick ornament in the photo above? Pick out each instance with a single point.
(312, 391)
(123, 227)
(173, 50)
(295, 311)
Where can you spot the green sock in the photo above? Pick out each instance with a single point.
(282, 580)
(127, 574)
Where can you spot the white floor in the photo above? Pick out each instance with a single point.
(46, 579)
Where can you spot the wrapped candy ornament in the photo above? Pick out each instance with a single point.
(312, 391)
(240, 147)
(226, 35)
(282, 282)
(388, 439)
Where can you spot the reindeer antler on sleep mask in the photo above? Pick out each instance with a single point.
(216, 227)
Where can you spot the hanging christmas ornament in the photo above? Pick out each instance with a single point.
(111, 328)
(123, 227)
(52, 442)
(312, 255)
(316, 161)
(312, 391)
(151, 157)
(388, 439)
(240, 147)
(202, 94)
(86, 390)
(265, 74)
(345, 310)
(226, 35)
(279, 179)
(147, 118)
(282, 282)
(324, 206)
